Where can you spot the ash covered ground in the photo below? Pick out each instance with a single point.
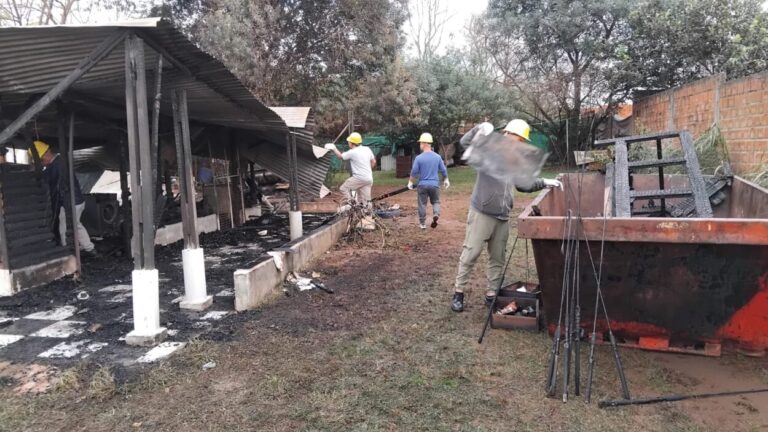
(67, 321)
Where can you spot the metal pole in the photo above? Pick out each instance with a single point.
(71, 172)
(215, 192)
(229, 189)
(240, 183)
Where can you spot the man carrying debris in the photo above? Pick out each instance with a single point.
(363, 161)
(58, 188)
(487, 222)
(426, 167)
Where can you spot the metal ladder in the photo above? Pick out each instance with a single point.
(624, 193)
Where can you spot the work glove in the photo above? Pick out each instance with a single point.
(330, 146)
(551, 183)
(410, 185)
(446, 183)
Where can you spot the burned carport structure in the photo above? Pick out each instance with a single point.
(59, 79)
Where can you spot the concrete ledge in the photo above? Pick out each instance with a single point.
(13, 281)
(319, 207)
(259, 284)
(175, 232)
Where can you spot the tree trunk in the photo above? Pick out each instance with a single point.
(574, 121)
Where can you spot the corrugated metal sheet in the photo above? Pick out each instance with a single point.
(313, 161)
(34, 59)
(294, 117)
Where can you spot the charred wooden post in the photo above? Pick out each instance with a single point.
(193, 259)
(145, 278)
(125, 196)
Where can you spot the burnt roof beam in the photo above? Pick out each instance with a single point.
(85, 65)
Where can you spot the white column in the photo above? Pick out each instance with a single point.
(294, 220)
(195, 294)
(146, 309)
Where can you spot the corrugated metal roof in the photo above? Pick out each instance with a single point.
(294, 117)
(34, 59)
(313, 165)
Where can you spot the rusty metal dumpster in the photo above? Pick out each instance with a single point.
(672, 284)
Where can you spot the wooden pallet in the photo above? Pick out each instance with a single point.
(708, 348)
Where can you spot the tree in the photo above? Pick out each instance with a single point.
(303, 52)
(678, 41)
(427, 21)
(53, 12)
(451, 94)
(561, 56)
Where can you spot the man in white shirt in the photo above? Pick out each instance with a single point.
(363, 161)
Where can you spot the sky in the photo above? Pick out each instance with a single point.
(459, 12)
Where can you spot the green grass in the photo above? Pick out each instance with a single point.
(462, 177)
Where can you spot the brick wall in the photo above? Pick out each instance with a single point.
(740, 107)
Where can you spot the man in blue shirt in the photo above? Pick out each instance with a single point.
(426, 167)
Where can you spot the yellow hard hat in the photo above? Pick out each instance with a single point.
(519, 128)
(355, 138)
(41, 148)
(426, 137)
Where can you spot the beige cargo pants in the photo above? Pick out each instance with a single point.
(362, 187)
(481, 230)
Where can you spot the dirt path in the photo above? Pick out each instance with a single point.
(383, 353)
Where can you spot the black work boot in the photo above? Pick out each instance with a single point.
(489, 298)
(434, 221)
(457, 304)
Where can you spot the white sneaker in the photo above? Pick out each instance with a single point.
(422, 226)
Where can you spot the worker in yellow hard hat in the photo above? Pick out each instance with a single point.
(362, 161)
(488, 219)
(426, 167)
(58, 189)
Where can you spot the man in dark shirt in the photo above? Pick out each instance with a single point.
(488, 219)
(58, 188)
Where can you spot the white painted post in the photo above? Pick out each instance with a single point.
(146, 309)
(294, 220)
(195, 292)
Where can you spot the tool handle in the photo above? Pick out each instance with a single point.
(552, 372)
(675, 398)
(591, 371)
(619, 366)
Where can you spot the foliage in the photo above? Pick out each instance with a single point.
(452, 93)
(678, 41)
(329, 54)
(561, 56)
(53, 12)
